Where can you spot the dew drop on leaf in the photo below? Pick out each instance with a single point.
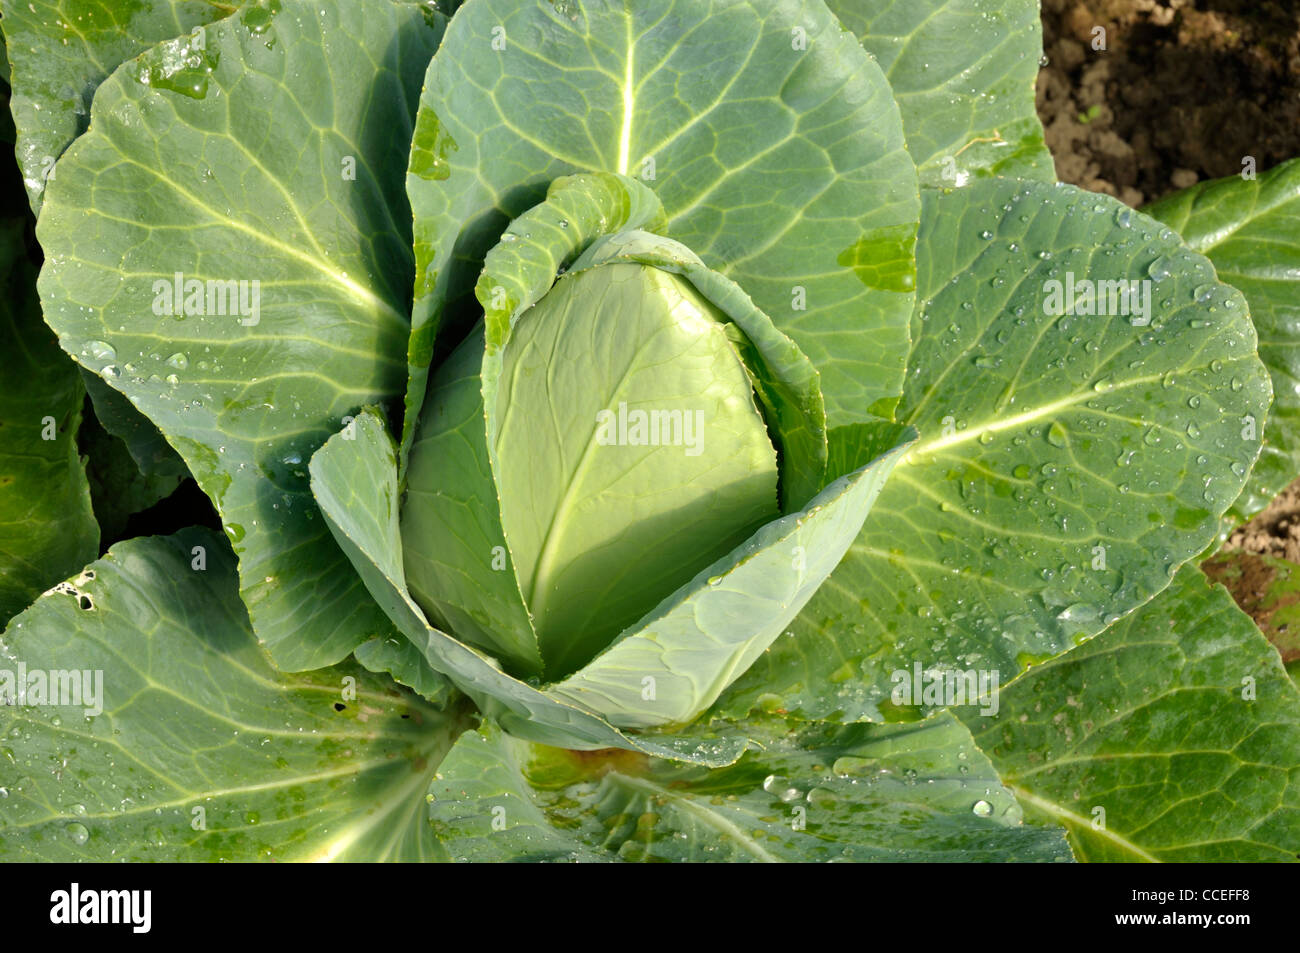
(99, 351)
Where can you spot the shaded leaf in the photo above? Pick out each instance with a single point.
(118, 488)
(47, 526)
(153, 456)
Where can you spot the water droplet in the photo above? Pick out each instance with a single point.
(1056, 434)
(982, 808)
(178, 361)
(78, 833)
(1203, 293)
(1124, 217)
(110, 371)
(1159, 269)
(99, 351)
(1077, 612)
(780, 787)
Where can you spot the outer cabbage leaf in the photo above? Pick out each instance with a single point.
(203, 750)
(1067, 464)
(964, 75)
(1173, 736)
(1250, 230)
(47, 527)
(861, 793)
(277, 159)
(770, 137)
(61, 50)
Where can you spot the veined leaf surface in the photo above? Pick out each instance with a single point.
(963, 72)
(768, 134)
(858, 793)
(1172, 736)
(61, 50)
(1068, 463)
(202, 750)
(273, 169)
(1250, 230)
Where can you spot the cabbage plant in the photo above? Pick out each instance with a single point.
(640, 431)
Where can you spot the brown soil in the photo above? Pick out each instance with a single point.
(1183, 90)
(1266, 589)
(1274, 532)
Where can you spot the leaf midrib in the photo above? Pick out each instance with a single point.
(1074, 821)
(707, 817)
